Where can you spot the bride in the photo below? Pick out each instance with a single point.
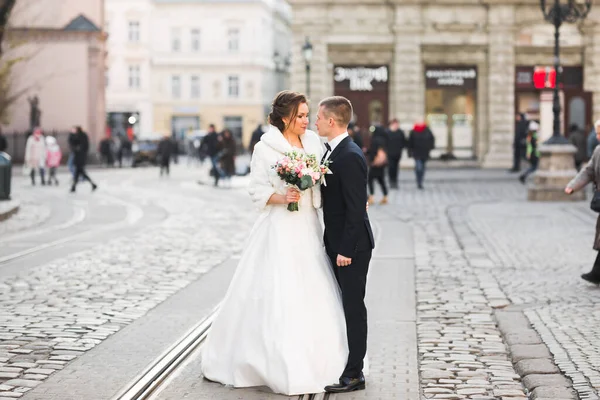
(281, 323)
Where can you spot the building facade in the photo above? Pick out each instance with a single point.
(465, 68)
(128, 72)
(217, 62)
(61, 47)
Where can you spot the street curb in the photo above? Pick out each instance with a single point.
(532, 358)
(8, 210)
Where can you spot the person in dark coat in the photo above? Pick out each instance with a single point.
(164, 152)
(355, 134)
(256, 135)
(106, 151)
(3, 143)
(79, 144)
(420, 143)
(377, 159)
(211, 144)
(592, 139)
(396, 144)
(227, 154)
(578, 139)
(521, 125)
(590, 174)
(532, 152)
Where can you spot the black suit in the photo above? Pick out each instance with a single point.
(348, 233)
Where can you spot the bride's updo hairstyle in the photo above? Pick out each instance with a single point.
(285, 105)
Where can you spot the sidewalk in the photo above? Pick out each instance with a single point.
(8, 208)
(392, 331)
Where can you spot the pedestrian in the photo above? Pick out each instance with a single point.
(592, 140)
(519, 139)
(124, 151)
(378, 160)
(212, 145)
(53, 157)
(354, 133)
(590, 173)
(396, 144)
(532, 151)
(3, 143)
(80, 145)
(35, 155)
(164, 153)
(106, 151)
(420, 143)
(227, 154)
(256, 135)
(71, 158)
(578, 139)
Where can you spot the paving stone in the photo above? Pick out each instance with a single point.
(536, 366)
(525, 336)
(528, 351)
(22, 382)
(553, 392)
(556, 380)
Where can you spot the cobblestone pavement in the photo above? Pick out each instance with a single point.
(61, 309)
(31, 213)
(478, 247)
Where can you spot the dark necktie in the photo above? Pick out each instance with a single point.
(328, 147)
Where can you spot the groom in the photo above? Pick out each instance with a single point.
(348, 236)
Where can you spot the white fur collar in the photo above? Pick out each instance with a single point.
(274, 139)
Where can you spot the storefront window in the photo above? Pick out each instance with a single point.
(450, 104)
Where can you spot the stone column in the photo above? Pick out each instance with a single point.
(591, 69)
(501, 87)
(407, 96)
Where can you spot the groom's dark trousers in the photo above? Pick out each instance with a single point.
(348, 233)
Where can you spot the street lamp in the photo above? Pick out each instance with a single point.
(556, 14)
(307, 52)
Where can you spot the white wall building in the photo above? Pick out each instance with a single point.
(128, 66)
(197, 62)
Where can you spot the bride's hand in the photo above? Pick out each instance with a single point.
(292, 195)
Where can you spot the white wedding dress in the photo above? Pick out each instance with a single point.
(281, 323)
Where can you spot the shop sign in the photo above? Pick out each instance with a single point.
(537, 77)
(446, 76)
(361, 79)
(544, 78)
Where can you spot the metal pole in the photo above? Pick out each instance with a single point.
(308, 80)
(556, 99)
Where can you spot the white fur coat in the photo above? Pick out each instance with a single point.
(264, 180)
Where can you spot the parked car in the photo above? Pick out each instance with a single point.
(145, 150)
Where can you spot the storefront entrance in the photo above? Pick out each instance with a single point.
(450, 106)
(367, 88)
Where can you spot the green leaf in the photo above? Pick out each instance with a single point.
(305, 182)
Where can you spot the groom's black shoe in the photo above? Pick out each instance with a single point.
(347, 385)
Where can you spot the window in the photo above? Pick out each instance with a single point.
(234, 86)
(233, 35)
(195, 40)
(176, 86)
(134, 31)
(195, 86)
(134, 77)
(176, 39)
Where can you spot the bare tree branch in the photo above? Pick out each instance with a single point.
(6, 7)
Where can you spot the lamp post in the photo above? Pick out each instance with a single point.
(307, 53)
(557, 13)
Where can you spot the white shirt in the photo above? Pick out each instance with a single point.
(335, 142)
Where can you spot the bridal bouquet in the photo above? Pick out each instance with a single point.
(300, 170)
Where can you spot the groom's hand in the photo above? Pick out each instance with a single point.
(343, 261)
